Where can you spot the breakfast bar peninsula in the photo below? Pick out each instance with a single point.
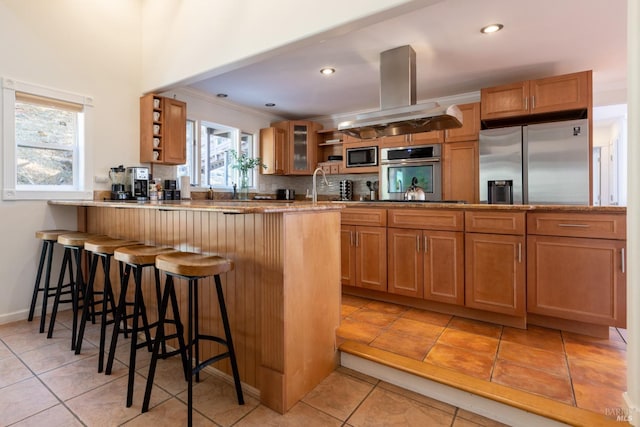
(283, 297)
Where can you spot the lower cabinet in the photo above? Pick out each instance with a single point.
(364, 257)
(576, 267)
(495, 261)
(426, 264)
(495, 273)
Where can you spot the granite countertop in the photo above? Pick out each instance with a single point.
(273, 206)
(223, 206)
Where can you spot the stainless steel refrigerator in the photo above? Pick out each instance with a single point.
(548, 163)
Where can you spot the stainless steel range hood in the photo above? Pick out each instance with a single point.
(399, 114)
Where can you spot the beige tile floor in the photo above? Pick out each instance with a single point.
(43, 383)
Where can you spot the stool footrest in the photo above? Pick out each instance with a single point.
(209, 361)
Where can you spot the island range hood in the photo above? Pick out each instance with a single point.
(399, 114)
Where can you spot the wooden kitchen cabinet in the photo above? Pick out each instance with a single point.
(301, 146)
(470, 125)
(365, 257)
(163, 137)
(460, 171)
(495, 261)
(421, 138)
(548, 95)
(273, 151)
(364, 248)
(426, 254)
(426, 264)
(576, 267)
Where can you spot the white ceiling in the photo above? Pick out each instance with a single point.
(540, 38)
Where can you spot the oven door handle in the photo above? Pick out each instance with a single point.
(409, 161)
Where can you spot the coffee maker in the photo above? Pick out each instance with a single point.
(117, 176)
(137, 182)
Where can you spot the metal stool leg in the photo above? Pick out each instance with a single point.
(168, 294)
(67, 266)
(230, 348)
(46, 254)
(88, 296)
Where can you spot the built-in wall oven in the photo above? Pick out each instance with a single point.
(398, 167)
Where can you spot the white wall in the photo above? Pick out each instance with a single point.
(183, 39)
(86, 47)
(115, 50)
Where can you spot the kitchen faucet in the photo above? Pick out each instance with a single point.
(314, 194)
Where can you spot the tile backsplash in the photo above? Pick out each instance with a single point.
(268, 184)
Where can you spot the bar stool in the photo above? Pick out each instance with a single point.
(73, 244)
(191, 267)
(49, 239)
(136, 258)
(100, 248)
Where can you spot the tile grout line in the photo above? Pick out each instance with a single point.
(44, 385)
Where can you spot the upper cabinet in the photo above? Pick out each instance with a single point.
(549, 95)
(162, 130)
(421, 138)
(301, 146)
(470, 124)
(273, 151)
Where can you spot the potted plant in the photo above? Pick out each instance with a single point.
(245, 163)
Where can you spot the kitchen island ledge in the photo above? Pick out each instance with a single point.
(283, 297)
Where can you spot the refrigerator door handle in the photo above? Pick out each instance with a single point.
(525, 165)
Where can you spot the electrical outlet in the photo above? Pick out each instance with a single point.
(100, 179)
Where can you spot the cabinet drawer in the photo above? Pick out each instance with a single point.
(594, 225)
(364, 216)
(426, 219)
(495, 222)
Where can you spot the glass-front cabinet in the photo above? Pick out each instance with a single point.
(301, 145)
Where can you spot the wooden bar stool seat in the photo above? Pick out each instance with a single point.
(73, 243)
(191, 267)
(49, 239)
(136, 258)
(100, 248)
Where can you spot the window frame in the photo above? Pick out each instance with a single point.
(199, 137)
(82, 157)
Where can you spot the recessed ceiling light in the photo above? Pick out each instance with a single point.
(493, 28)
(222, 95)
(269, 104)
(327, 71)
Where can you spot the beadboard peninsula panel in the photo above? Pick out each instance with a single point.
(282, 299)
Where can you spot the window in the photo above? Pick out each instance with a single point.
(211, 158)
(44, 150)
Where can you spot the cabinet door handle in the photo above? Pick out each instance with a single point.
(520, 252)
(417, 243)
(622, 260)
(357, 239)
(351, 238)
(526, 103)
(533, 102)
(574, 225)
(426, 243)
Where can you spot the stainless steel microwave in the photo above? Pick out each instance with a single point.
(361, 156)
